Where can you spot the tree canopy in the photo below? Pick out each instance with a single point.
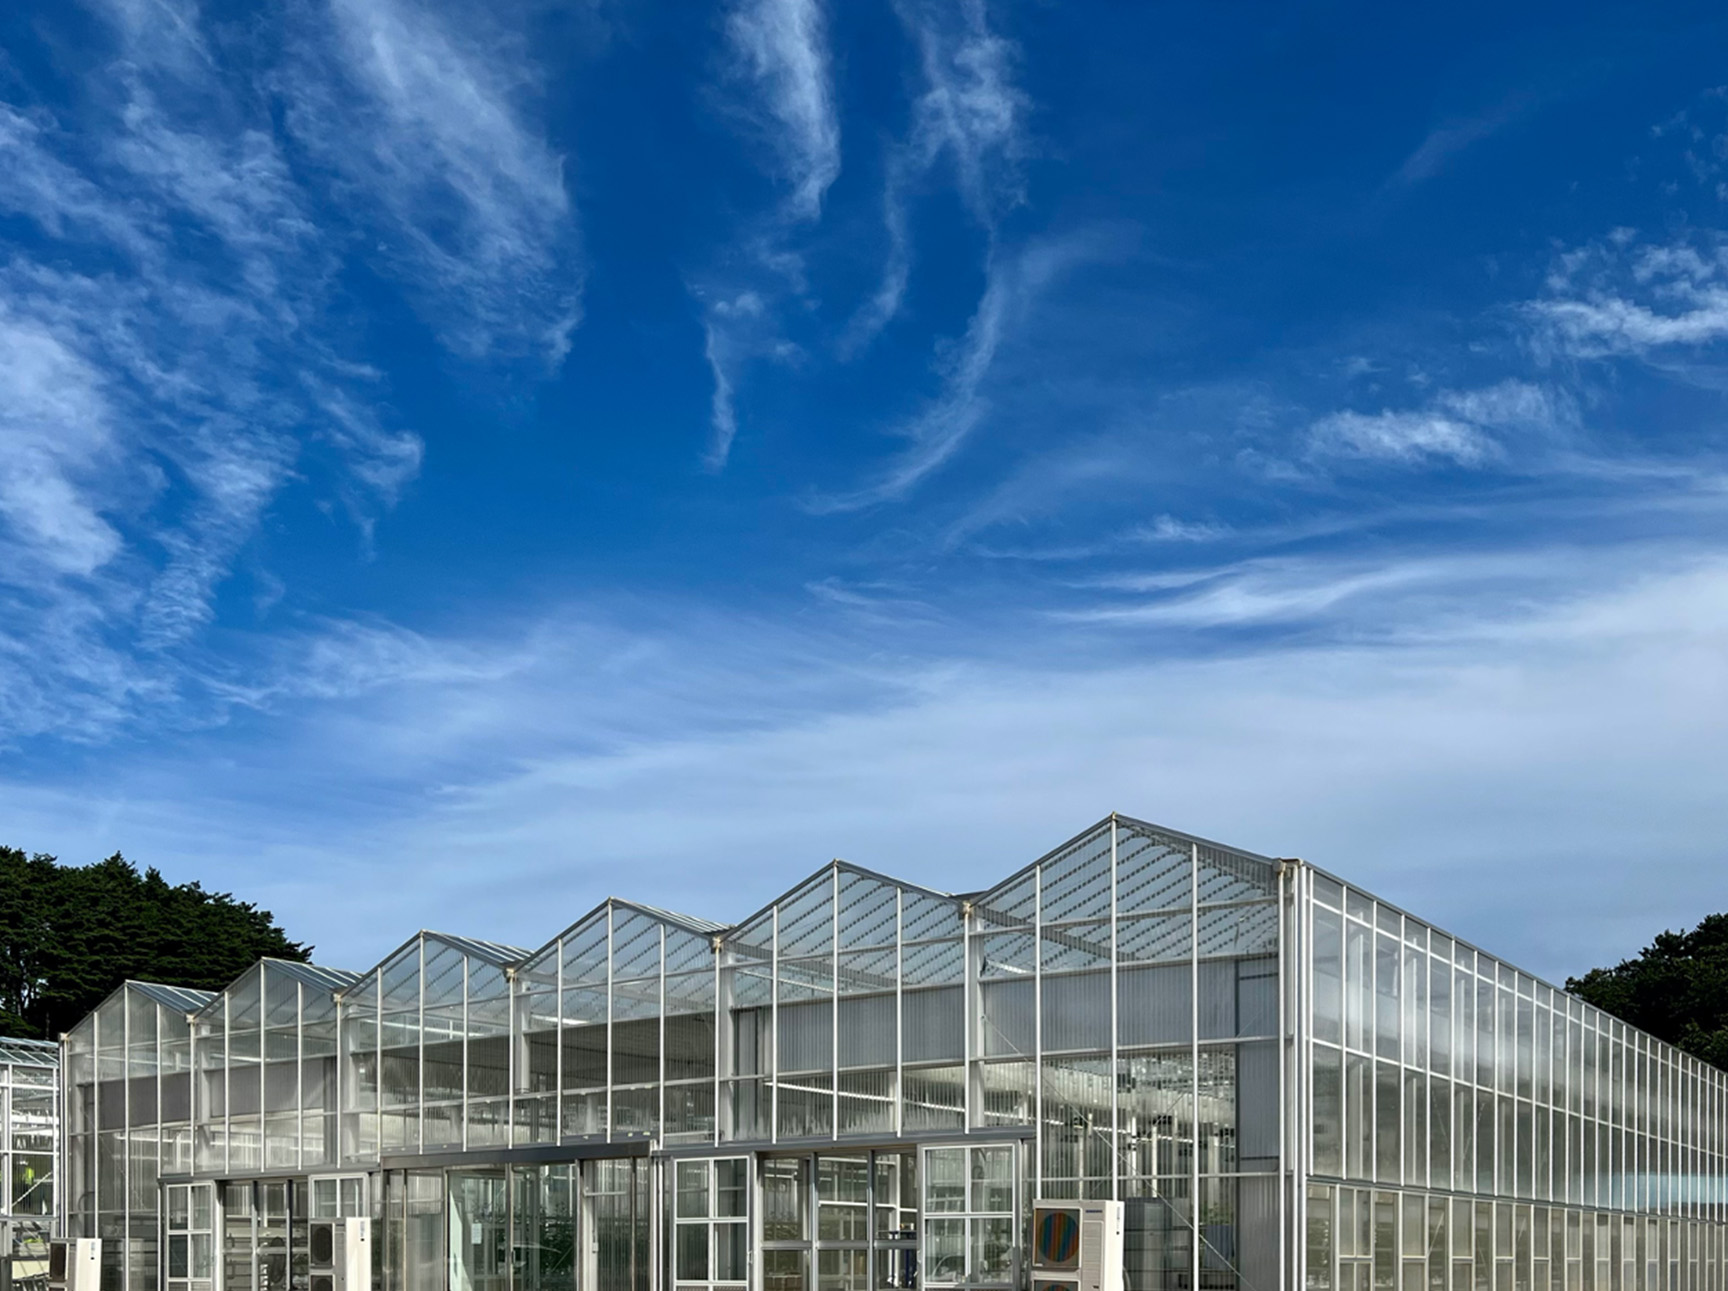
(70, 934)
(1676, 989)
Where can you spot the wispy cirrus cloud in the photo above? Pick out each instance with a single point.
(174, 356)
(970, 112)
(418, 110)
(1461, 427)
(1402, 437)
(781, 49)
(1622, 297)
(1013, 285)
(777, 51)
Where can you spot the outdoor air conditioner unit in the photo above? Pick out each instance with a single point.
(75, 1264)
(1077, 1246)
(340, 1254)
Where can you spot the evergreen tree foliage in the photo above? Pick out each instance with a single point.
(70, 934)
(1676, 989)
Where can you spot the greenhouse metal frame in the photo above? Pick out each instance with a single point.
(863, 1085)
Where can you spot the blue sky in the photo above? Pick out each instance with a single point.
(461, 461)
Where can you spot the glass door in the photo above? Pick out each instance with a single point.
(971, 1209)
(616, 1209)
(843, 1223)
(840, 1222)
(479, 1231)
(543, 1227)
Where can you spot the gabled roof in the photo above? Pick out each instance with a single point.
(182, 999)
(736, 936)
(693, 925)
(329, 979)
(491, 952)
(319, 978)
(19, 1052)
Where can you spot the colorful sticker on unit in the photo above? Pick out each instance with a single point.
(1056, 1238)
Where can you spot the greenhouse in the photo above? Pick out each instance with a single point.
(29, 1146)
(868, 1083)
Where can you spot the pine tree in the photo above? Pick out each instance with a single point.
(70, 934)
(1676, 989)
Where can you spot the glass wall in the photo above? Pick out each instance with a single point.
(1471, 1126)
(1123, 1018)
(266, 1062)
(425, 1039)
(1129, 1005)
(29, 1147)
(29, 1128)
(614, 1032)
(128, 1103)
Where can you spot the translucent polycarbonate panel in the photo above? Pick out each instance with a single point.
(1008, 1017)
(867, 972)
(585, 1004)
(866, 1030)
(931, 963)
(1075, 1138)
(1005, 955)
(1075, 883)
(868, 912)
(1077, 1011)
(1152, 873)
(1012, 903)
(933, 1024)
(933, 1098)
(806, 979)
(1228, 876)
(1076, 945)
(1009, 1092)
(1238, 930)
(753, 938)
(399, 978)
(635, 945)
(1154, 938)
(1154, 1004)
(805, 1106)
(867, 1101)
(584, 1056)
(688, 952)
(806, 1035)
(924, 916)
(806, 917)
(488, 1000)
(443, 983)
(281, 996)
(583, 949)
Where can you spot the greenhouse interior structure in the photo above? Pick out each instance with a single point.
(866, 1085)
(29, 1154)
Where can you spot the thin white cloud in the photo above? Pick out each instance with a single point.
(1012, 285)
(1618, 297)
(782, 45)
(420, 115)
(780, 49)
(1570, 725)
(1405, 437)
(58, 431)
(1446, 142)
(164, 379)
(970, 112)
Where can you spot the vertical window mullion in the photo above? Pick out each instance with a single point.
(1194, 1059)
(1115, 1057)
(834, 1002)
(774, 1026)
(610, 1065)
